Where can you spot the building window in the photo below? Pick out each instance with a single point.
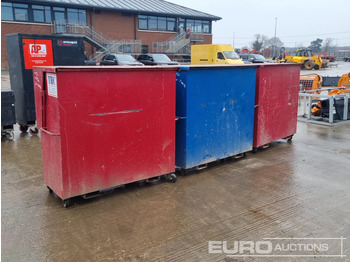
(144, 49)
(6, 11)
(41, 14)
(72, 16)
(170, 24)
(59, 14)
(152, 23)
(59, 9)
(190, 24)
(82, 17)
(143, 25)
(76, 16)
(161, 24)
(156, 23)
(196, 26)
(206, 27)
(20, 12)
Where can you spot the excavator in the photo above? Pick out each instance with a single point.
(308, 61)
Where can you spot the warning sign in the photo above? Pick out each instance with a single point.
(37, 52)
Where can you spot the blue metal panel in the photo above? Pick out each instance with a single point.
(215, 106)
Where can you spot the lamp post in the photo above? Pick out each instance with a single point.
(233, 40)
(275, 40)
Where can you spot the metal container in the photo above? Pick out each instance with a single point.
(27, 50)
(276, 99)
(215, 107)
(104, 126)
(8, 117)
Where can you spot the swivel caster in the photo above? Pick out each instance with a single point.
(9, 135)
(23, 128)
(66, 203)
(33, 130)
(50, 190)
(171, 178)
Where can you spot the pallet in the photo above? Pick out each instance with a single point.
(184, 171)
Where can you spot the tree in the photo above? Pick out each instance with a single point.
(328, 45)
(316, 45)
(258, 43)
(274, 42)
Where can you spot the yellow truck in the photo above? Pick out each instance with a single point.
(214, 54)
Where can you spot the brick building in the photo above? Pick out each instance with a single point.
(146, 22)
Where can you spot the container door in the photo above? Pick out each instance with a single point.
(118, 126)
(49, 125)
(219, 114)
(277, 103)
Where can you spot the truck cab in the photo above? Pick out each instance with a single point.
(214, 54)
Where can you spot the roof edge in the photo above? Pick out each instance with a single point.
(135, 11)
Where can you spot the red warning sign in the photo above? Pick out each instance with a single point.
(37, 52)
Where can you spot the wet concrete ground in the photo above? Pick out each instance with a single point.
(298, 189)
(338, 70)
(290, 190)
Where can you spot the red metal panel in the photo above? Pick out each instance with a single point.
(276, 100)
(37, 52)
(107, 127)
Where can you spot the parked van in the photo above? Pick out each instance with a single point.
(214, 54)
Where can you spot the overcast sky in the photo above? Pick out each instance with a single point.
(299, 21)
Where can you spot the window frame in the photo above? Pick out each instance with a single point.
(7, 5)
(157, 23)
(220, 56)
(20, 6)
(48, 12)
(195, 24)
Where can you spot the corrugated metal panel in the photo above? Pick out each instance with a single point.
(159, 7)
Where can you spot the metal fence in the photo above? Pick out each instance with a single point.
(336, 111)
(179, 44)
(108, 45)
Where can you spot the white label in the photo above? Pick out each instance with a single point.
(37, 50)
(51, 85)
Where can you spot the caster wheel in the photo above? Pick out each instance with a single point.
(255, 150)
(50, 190)
(23, 128)
(9, 135)
(289, 139)
(66, 203)
(171, 178)
(33, 131)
